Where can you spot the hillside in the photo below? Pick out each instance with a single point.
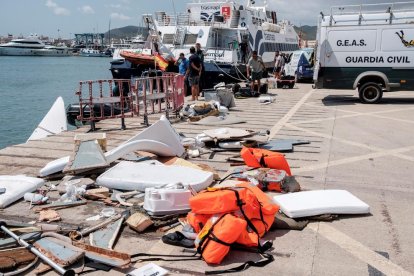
(127, 32)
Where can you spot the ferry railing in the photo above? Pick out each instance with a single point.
(104, 99)
(160, 94)
(372, 8)
(371, 14)
(183, 19)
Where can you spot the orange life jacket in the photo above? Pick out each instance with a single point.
(245, 201)
(262, 219)
(257, 158)
(219, 200)
(197, 221)
(214, 240)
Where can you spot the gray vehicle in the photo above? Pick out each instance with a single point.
(366, 47)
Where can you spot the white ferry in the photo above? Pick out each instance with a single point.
(221, 27)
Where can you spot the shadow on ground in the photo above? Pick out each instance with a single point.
(338, 100)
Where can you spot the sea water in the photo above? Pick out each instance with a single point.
(30, 85)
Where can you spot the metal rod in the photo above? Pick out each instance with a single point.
(76, 235)
(22, 242)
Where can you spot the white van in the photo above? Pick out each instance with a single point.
(366, 47)
(300, 65)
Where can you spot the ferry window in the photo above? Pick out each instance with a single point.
(29, 42)
(168, 39)
(190, 38)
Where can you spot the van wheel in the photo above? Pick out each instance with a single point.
(370, 93)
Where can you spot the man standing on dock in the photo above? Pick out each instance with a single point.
(182, 64)
(194, 73)
(200, 54)
(255, 66)
(278, 65)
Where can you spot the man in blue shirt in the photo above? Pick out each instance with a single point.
(183, 63)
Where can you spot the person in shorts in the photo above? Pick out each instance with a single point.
(278, 64)
(194, 72)
(255, 68)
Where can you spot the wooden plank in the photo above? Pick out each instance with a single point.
(32, 152)
(47, 145)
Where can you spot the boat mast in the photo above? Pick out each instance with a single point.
(109, 33)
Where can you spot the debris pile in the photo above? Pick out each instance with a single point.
(148, 185)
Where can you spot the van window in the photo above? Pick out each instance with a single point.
(401, 39)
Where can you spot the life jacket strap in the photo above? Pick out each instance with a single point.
(158, 257)
(267, 260)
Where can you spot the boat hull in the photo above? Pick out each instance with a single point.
(52, 52)
(123, 69)
(138, 59)
(14, 51)
(214, 73)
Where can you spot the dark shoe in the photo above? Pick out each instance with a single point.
(178, 239)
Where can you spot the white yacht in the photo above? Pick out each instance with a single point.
(22, 47)
(53, 51)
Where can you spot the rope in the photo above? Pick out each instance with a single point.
(228, 74)
(237, 69)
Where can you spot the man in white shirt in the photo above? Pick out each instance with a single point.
(279, 62)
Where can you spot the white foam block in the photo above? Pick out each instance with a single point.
(139, 176)
(312, 203)
(16, 186)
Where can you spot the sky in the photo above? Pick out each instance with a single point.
(63, 18)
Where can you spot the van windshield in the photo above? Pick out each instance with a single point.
(308, 54)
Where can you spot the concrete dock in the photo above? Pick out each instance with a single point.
(367, 150)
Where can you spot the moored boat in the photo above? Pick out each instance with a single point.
(138, 57)
(22, 47)
(94, 53)
(32, 46)
(53, 51)
(227, 31)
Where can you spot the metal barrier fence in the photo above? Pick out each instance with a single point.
(109, 99)
(152, 95)
(106, 99)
